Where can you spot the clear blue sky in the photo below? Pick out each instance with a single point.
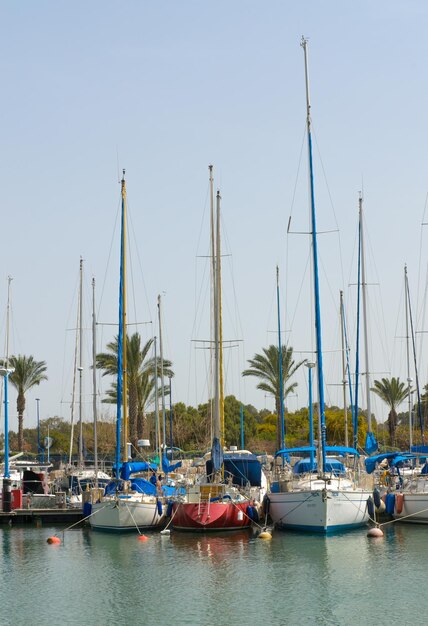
(170, 87)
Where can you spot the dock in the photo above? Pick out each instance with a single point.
(43, 516)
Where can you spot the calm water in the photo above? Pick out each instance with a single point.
(99, 579)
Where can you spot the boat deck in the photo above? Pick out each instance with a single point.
(25, 516)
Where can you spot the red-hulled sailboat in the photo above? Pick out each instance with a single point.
(212, 504)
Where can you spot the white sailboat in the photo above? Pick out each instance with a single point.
(130, 502)
(317, 495)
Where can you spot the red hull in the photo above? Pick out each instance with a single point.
(212, 516)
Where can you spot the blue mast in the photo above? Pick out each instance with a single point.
(304, 45)
(120, 335)
(281, 384)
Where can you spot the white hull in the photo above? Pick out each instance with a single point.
(415, 508)
(319, 508)
(125, 514)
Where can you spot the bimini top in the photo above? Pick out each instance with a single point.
(332, 466)
(336, 450)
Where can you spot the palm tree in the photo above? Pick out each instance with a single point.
(392, 392)
(266, 367)
(28, 373)
(141, 373)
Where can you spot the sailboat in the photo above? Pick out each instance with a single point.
(317, 495)
(213, 504)
(130, 501)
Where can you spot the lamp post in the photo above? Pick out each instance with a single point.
(38, 427)
(310, 365)
(5, 372)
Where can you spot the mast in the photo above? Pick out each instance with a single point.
(94, 381)
(345, 408)
(120, 337)
(161, 372)
(157, 428)
(364, 297)
(409, 380)
(281, 384)
(216, 407)
(80, 368)
(418, 389)
(220, 325)
(304, 44)
(73, 393)
(124, 339)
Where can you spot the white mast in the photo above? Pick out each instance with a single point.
(344, 368)
(81, 366)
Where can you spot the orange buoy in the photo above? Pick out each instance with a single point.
(399, 499)
(55, 540)
(375, 532)
(142, 537)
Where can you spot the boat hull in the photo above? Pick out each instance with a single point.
(125, 515)
(414, 509)
(212, 516)
(320, 510)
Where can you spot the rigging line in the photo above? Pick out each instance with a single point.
(113, 239)
(297, 176)
(303, 282)
(420, 253)
(421, 339)
(66, 375)
(129, 215)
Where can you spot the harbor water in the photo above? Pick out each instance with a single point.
(100, 579)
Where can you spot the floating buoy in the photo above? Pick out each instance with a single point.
(166, 531)
(55, 540)
(375, 532)
(142, 537)
(264, 535)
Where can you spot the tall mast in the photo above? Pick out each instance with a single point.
(304, 45)
(216, 409)
(9, 280)
(345, 409)
(157, 427)
(161, 372)
(409, 380)
(121, 389)
(124, 346)
(94, 381)
(81, 364)
(281, 384)
(220, 325)
(365, 325)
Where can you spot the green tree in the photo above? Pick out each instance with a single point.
(392, 392)
(265, 366)
(27, 374)
(141, 379)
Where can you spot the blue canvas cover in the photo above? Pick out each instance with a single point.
(332, 466)
(167, 466)
(141, 485)
(243, 468)
(216, 455)
(371, 443)
(132, 468)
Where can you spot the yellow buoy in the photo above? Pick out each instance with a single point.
(264, 535)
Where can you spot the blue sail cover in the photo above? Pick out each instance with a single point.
(217, 455)
(331, 466)
(372, 461)
(132, 468)
(167, 466)
(371, 443)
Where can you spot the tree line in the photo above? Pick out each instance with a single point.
(192, 425)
